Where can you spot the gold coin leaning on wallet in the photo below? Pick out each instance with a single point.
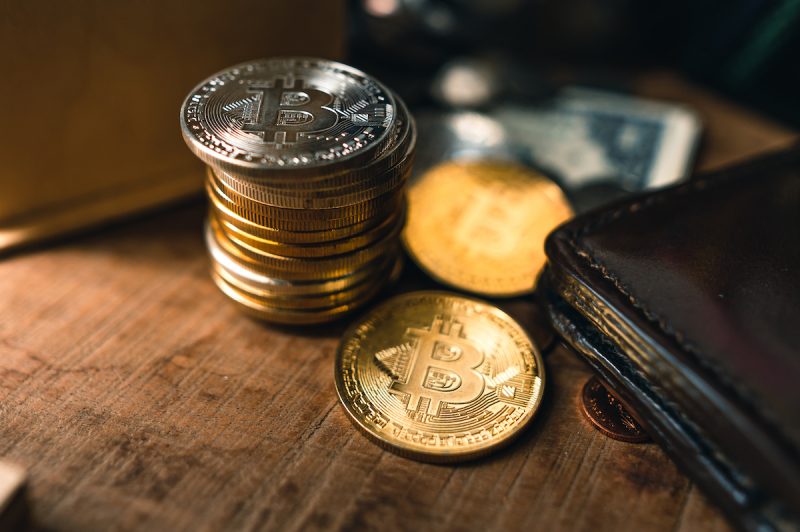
(480, 226)
(439, 377)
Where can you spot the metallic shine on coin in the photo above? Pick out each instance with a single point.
(287, 113)
(609, 415)
(439, 377)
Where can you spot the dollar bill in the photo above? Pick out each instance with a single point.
(589, 141)
(584, 136)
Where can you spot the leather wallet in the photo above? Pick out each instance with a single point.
(686, 301)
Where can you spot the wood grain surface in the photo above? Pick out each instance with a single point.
(138, 398)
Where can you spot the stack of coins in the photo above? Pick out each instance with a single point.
(307, 163)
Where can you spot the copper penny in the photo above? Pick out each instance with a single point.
(608, 415)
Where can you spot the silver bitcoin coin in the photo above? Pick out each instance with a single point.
(308, 115)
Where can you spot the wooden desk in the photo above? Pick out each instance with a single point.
(138, 398)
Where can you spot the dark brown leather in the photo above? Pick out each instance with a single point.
(688, 301)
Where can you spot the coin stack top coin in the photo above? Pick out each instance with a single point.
(307, 163)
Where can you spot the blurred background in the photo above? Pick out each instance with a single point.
(745, 48)
(93, 90)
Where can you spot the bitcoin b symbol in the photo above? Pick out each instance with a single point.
(284, 112)
(490, 219)
(442, 368)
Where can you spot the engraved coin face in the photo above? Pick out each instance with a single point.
(608, 415)
(480, 226)
(439, 377)
(291, 113)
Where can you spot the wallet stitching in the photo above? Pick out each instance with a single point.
(659, 401)
(666, 328)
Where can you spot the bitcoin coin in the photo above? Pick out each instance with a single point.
(391, 162)
(269, 262)
(608, 415)
(289, 218)
(439, 377)
(322, 299)
(310, 301)
(297, 113)
(290, 316)
(313, 236)
(480, 226)
(315, 250)
(280, 287)
(300, 220)
(320, 198)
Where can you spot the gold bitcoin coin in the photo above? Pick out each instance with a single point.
(264, 261)
(287, 236)
(326, 249)
(292, 316)
(319, 198)
(299, 269)
(310, 301)
(480, 226)
(280, 287)
(355, 211)
(439, 377)
(305, 219)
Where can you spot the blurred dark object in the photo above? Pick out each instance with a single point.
(424, 33)
(482, 80)
(704, 348)
(593, 195)
(14, 514)
(406, 42)
(91, 105)
(733, 132)
(749, 49)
